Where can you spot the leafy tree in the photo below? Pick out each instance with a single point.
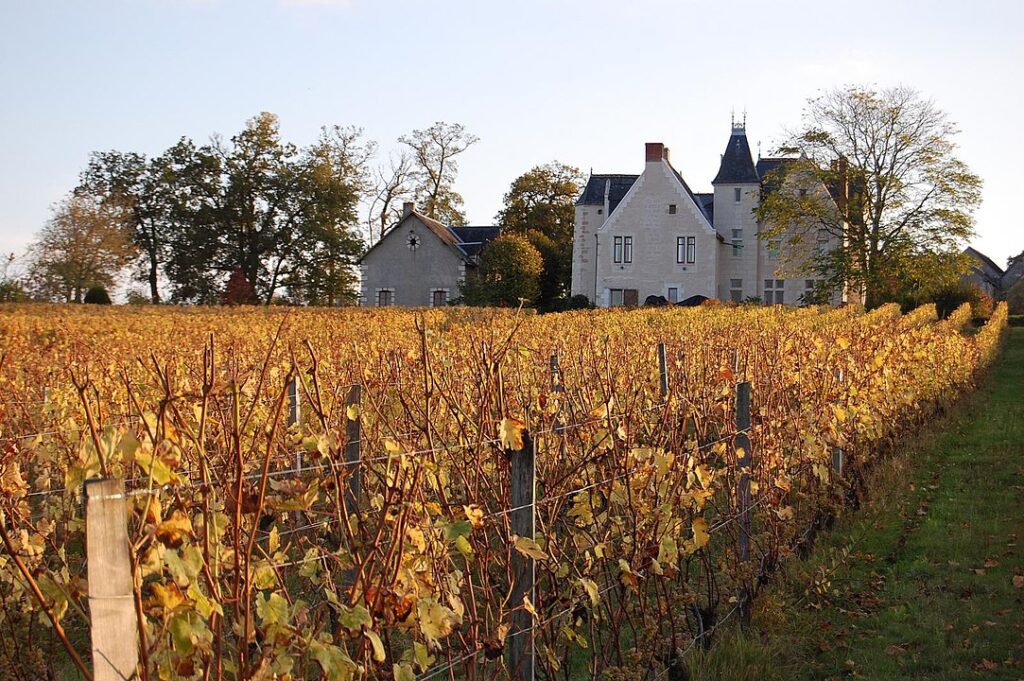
(286, 216)
(541, 204)
(435, 167)
(896, 190)
(508, 274)
(86, 243)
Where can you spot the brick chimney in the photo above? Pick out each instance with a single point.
(655, 151)
(407, 208)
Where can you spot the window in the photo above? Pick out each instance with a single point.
(673, 294)
(438, 297)
(616, 297)
(617, 249)
(737, 243)
(691, 249)
(680, 249)
(627, 249)
(809, 289)
(737, 194)
(385, 297)
(600, 211)
(773, 249)
(773, 291)
(736, 290)
(671, 209)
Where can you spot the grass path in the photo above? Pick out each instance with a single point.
(926, 581)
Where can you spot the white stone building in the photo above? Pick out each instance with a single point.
(650, 235)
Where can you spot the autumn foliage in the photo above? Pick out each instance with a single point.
(248, 568)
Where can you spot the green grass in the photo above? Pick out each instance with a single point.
(918, 584)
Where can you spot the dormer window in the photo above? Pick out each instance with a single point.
(671, 209)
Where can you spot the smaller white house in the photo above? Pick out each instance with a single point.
(419, 262)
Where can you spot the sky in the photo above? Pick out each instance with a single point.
(582, 82)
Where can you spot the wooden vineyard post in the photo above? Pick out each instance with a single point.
(837, 452)
(112, 619)
(556, 375)
(295, 413)
(353, 434)
(743, 492)
(523, 520)
(663, 371)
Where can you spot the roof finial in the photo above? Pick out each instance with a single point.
(739, 126)
(732, 118)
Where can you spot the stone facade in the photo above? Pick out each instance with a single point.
(684, 244)
(419, 262)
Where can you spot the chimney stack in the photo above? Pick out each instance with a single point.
(407, 208)
(655, 151)
(666, 157)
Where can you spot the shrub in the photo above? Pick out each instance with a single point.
(97, 295)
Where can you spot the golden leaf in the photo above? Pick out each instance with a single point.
(510, 432)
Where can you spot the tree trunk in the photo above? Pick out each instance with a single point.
(154, 271)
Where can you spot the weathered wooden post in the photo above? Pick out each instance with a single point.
(744, 462)
(295, 413)
(112, 620)
(663, 371)
(523, 495)
(353, 434)
(837, 452)
(556, 375)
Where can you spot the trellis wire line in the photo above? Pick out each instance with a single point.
(127, 419)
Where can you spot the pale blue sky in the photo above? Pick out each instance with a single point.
(586, 83)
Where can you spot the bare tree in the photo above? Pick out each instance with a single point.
(434, 153)
(393, 186)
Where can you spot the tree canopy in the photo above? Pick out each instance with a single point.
(86, 243)
(508, 274)
(434, 168)
(893, 192)
(541, 205)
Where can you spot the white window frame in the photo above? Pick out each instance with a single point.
(627, 249)
(737, 243)
(617, 250)
(736, 290)
(774, 291)
(737, 195)
(774, 247)
(691, 250)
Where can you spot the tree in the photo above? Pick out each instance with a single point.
(393, 186)
(86, 243)
(12, 285)
(435, 167)
(285, 215)
(896, 190)
(541, 204)
(508, 274)
(238, 290)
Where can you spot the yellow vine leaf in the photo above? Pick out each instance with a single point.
(510, 432)
(379, 655)
(528, 547)
(590, 586)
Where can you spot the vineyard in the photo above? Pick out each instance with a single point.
(440, 494)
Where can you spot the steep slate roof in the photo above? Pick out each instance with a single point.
(706, 203)
(467, 242)
(984, 259)
(473, 239)
(617, 185)
(737, 164)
